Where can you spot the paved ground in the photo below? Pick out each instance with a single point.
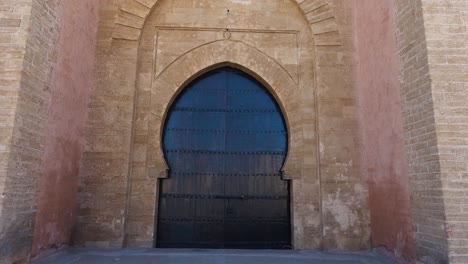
(158, 256)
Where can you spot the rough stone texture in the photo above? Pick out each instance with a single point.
(428, 211)
(118, 208)
(317, 56)
(381, 120)
(344, 191)
(432, 41)
(446, 27)
(168, 85)
(39, 86)
(30, 72)
(268, 51)
(14, 23)
(70, 84)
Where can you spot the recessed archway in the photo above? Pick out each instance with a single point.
(135, 60)
(225, 141)
(225, 53)
(169, 84)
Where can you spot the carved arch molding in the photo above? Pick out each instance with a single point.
(132, 15)
(130, 22)
(202, 59)
(129, 25)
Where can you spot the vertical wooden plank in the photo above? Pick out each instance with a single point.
(258, 214)
(190, 215)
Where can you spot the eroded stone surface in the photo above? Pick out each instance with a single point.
(180, 39)
(322, 55)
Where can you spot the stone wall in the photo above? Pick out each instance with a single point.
(70, 84)
(38, 88)
(446, 27)
(14, 23)
(344, 190)
(381, 121)
(428, 211)
(329, 191)
(333, 51)
(432, 39)
(251, 41)
(18, 203)
(105, 165)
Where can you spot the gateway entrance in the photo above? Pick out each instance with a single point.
(225, 141)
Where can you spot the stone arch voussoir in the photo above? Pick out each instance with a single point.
(320, 15)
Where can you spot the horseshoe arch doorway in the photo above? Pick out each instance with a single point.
(225, 141)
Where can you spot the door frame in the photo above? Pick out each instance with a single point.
(166, 86)
(174, 100)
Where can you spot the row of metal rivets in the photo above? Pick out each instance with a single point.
(188, 151)
(225, 175)
(219, 110)
(207, 196)
(223, 220)
(225, 131)
(230, 90)
(280, 243)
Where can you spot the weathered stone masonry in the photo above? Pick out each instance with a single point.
(385, 164)
(361, 82)
(35, 31)
(432, 40)
(111, 120)
(36, 90)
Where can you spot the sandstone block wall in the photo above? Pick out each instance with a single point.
(14, 23)
(29, 85)
(71, 80)
(446, 27)
(344, 189)
(428, 211)
(115, 174)
(37, 34)
(337, 53)
(288, 45)
(432, 38)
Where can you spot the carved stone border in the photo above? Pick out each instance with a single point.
(186, 68)
(320, 16)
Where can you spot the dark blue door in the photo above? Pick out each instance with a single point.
(225, 141)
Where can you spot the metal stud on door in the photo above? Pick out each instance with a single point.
(225, 141)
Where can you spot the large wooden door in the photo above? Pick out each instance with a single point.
(225, 141)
